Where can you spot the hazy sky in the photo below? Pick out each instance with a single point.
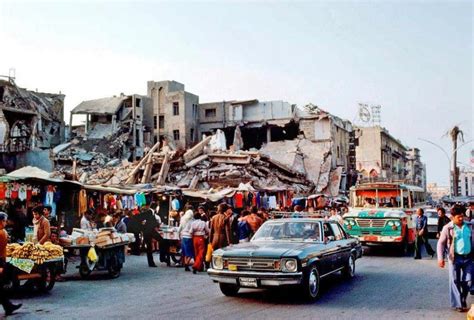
(415, 59)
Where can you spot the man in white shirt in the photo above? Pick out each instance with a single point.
(86, 223)
(335, 216)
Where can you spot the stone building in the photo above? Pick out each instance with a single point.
(380, 156)
(416, 172)
(466, 181)
(30, 124)
(437, 192)
(175, 113)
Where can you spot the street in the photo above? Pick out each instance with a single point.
(385, 287)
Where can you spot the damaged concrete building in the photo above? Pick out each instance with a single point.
(30, 124)
(114, 130)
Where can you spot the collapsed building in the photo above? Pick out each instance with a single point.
(114, 129)
(30, 124)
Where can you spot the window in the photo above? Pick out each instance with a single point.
(155, 122)
(338, 152)
(192, 134)
(162, 122)
(137, 102)
(176, 135)
(210, 113)
(175, 108)
(339, 234)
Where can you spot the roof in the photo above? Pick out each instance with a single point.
(100, 106)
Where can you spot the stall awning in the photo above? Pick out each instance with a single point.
(30, 172)
(211, 196)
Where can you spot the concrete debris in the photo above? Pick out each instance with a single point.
(300, 165)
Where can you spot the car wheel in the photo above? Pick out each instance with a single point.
(311, 283)
(228, 289)
(348, 271)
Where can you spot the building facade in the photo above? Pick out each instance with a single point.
(175, 113)
(379, 156)
(466, 181)
(437, 192)
(416, 170)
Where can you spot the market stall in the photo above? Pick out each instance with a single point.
(38, 264)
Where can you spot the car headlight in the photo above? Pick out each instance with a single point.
(352, 222)
(218, 262)
(390, 223)
(290, 265)
(397, 223)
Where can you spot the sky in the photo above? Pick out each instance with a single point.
(414, 58)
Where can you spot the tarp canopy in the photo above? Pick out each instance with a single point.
(210, 195)
(30, 172)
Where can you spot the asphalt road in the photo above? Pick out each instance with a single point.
(385, 287)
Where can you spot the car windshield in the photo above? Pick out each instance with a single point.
(288, 231)
(431, 214)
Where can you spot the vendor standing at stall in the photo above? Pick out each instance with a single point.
(6, 303)
(42, 229)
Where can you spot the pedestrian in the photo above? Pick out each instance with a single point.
(218, 235)
(470, 211)
(298, 212)
(442, 220)
(134, 226)
(232, 227)
(334, 216)
(184, 231)
(4, 295)
(118, 223)
(253, 220)
(86, 220)
(244, 228)
(199, 232)
(53, 221)
(457, 240)
(41, 226)
(150, 232)
(203, 213)
(422, 235)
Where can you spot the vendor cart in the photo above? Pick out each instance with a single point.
(42, 276)
(173, 244)
(110, 258)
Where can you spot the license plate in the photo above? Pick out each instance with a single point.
(371, 238)
(248, 282)
(232, 267)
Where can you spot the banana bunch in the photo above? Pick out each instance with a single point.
(36, 252)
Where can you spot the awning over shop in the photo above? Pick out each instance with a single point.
(30, 172)
(213, 196)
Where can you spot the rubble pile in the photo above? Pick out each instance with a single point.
(299, 165)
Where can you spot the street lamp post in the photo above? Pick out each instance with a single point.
(449, 157)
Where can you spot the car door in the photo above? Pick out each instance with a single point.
(343, 245)
(329, 253)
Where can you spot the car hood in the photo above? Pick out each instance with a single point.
(268, 249)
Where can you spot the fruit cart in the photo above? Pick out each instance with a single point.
(42, 276)
(109, 258)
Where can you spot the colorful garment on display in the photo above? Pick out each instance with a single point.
(22, 192)
(175, 204)
(239, 200)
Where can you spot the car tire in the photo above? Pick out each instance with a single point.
(228, 289)
(311, 284)
(348, 271)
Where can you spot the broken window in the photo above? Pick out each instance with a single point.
(162, 122)
(155, 122)
(192, 134)
(210, 113)
(137, 102)
(175, 108)
(176, 135)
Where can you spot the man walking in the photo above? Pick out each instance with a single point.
(7, 305)
(422, 235)
(150, 226)
(457, 239)
(442, 221)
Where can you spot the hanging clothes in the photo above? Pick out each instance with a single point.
(3, 189)
(265, 201)
(29, 192)
(239, 200)
(175, 204)
(250, 199)
(82, 201)
(22, 192)
(14, 191)
(272, 203)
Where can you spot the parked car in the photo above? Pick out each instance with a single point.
(287, 252)
(432, 215)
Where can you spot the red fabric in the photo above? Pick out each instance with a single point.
(2, 191)
(29, 193)
(239, 200)
(199, 252)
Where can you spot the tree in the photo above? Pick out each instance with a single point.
(456, 134)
